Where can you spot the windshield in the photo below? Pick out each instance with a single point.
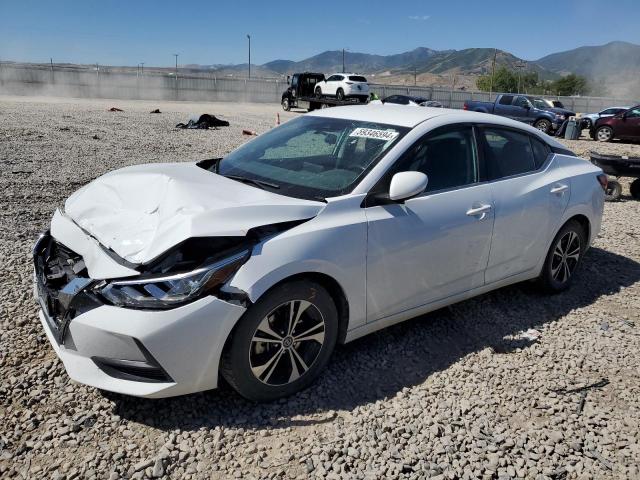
(312, 157)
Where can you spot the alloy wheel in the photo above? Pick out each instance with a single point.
(604, 134)
(566, 255)
(287, 342)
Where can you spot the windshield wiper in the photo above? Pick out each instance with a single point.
(258, 183)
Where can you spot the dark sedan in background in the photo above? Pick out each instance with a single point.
(624, 126)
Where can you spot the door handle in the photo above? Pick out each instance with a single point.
(560, 188)
(481, 210)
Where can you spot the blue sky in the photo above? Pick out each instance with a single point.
(212, 32)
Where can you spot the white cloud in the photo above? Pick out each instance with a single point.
(419, 17)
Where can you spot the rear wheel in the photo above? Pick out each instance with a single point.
(543, 125)
(340, 94)
(563, 258)
(635, 189)
(286, 106)
(282, 343)
(604, 134)
(613, 191)
(318, 92)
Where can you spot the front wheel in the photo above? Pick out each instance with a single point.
(286, 106)
(563, 258)
(282, 343)
(543, 125)
(604, 134)
(318, 92)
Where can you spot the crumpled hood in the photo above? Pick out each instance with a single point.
(139, 212)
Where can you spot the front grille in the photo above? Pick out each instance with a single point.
(61, 280)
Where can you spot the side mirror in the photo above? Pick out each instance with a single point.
(405, 185)
(527, 106)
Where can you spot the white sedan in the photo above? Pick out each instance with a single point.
(154, 280)
(343, 86)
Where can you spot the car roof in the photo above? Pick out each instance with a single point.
(404, 116)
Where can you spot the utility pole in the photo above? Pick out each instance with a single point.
(519, 66)
(249, 37)
(176, 75)
(415, 76)
(343, 60)
(141, 68)
(493, 71)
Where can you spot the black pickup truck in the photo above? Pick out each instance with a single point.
(532, 110)
(301, 93)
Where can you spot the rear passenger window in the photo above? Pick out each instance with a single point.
(506, 100)
(507, 153)
(540, 152)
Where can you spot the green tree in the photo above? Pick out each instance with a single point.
(570, 85)
(508, 81)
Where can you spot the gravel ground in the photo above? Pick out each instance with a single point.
(460, 393)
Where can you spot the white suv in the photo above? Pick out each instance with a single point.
(344, 85)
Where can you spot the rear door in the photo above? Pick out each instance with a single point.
(504, 106)
(529, 199)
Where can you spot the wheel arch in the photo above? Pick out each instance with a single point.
(335, 291)
(332, 286)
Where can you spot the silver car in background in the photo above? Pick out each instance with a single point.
(155, 279)
(589, 120)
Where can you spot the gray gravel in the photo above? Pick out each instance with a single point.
(457, 394)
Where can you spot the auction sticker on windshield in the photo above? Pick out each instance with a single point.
(374, 133)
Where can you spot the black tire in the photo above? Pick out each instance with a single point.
(635, 189)
(286, 106)
(318, 92)
(604, 134)
(340, 94)
(553, 278)
(543, 125)
(262, 383)
(613, 191)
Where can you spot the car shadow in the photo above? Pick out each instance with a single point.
(383, 363)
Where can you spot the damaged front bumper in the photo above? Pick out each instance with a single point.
(145, 353)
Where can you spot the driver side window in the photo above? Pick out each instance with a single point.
(521, 102)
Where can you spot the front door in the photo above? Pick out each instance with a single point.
(437, 244)
(629, 125)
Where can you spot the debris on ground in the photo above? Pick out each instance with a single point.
(204, 122)
(532, 334)
(96, 137)
(115, 109)
(249, 132)
(157, 110)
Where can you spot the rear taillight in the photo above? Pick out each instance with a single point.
(465, 107)
(603, 180)
(349, 83)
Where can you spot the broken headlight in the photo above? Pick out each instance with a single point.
(172, 290)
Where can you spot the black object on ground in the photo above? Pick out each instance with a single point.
(205, 122)
(115, 109)
(157, 110)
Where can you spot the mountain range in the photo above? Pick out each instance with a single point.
(617, 63)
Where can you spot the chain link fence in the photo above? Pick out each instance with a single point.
(111, 82)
